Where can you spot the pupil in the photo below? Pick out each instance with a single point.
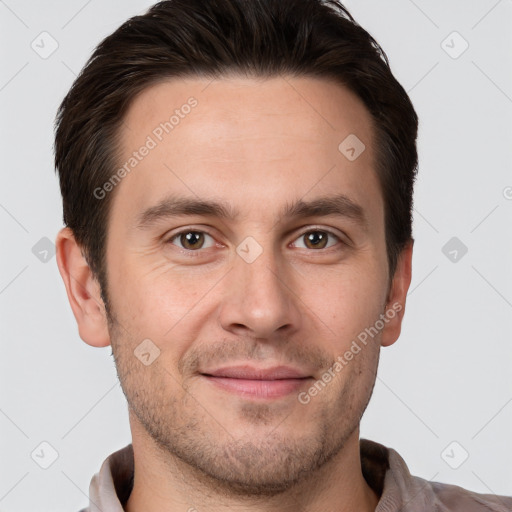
(192, 238)
(317, 238)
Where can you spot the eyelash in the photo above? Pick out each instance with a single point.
(192, 252)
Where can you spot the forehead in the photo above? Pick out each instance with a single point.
(293, 108)
(256, 143)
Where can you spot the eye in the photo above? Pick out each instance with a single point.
(192, 240)
(317, 239)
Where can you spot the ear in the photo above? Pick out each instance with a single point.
(395, 306)
(83, 289)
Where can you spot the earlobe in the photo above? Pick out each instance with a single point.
(83, 290)
(395, 306)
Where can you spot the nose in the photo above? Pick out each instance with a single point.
(259, 299)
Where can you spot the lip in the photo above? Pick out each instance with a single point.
(248, 381)
(252, 373)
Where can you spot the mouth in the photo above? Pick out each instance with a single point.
(251, 382)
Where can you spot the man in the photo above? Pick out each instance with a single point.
(237, 182)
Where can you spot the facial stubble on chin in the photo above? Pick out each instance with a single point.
(191, 439)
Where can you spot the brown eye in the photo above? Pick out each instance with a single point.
(317, 239)
(190, 240)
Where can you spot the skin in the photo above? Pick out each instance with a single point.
(256, 145)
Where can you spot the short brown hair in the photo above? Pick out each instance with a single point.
(261, 38)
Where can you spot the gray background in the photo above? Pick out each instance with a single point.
(444, 390)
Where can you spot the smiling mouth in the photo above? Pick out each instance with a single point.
(250, 382)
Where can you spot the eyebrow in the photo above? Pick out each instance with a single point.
(174, 206)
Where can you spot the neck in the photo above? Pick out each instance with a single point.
(164, 483)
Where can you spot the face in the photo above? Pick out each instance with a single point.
(248, 251)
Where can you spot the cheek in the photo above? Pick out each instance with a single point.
(168, 308)
(347, 300)
(155, 294)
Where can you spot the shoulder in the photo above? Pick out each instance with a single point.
(455, 498)
(387, 473)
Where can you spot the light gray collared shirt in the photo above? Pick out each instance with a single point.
(383, 468)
